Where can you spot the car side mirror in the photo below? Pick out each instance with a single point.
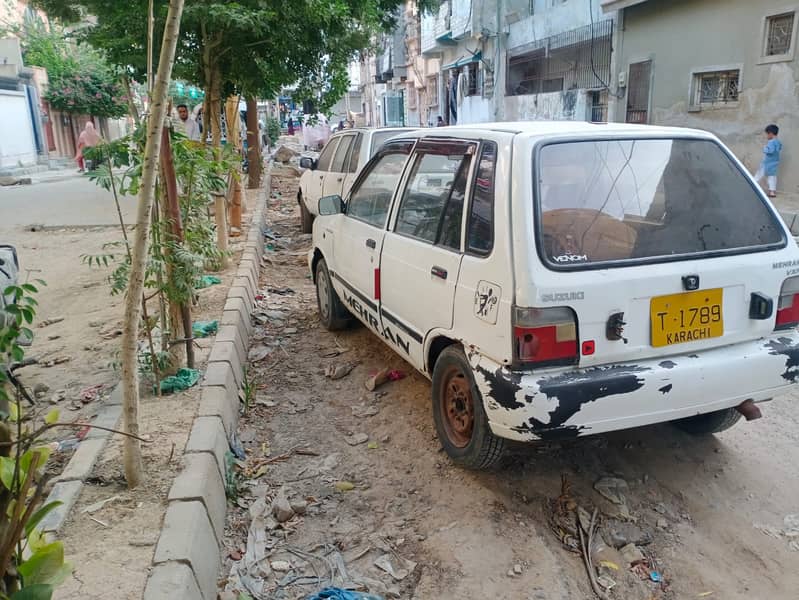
(307, 163)
(331, 205)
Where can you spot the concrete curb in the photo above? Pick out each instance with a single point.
(187, 557)
(69, 483)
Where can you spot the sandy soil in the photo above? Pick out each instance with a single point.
(699, 499)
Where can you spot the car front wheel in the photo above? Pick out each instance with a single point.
(331, 311)
(460, 419)
(306, 218)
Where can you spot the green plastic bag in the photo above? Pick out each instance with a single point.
(206, 281)
(182, 380)
(204, 328)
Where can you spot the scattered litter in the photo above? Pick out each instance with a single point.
(206, 281)
(705, 594)
(40, 389)
(790, 530)
(365, 411)
(381, 377)
(344, 486)
(68, 444)
(204, 328)
(618, 534)
(372, 445)
(290, 330)
(357, 438)
(330, 593)
(606, 582)
(267, 403)
(609, 564)
(57, 360)
(281, 565)
(93, 508)
(284, 291)
(396, 566)
(281, 507)
(182, 380)
(98, 521)
(338, 371)
(517, 568)
(258, 353)
(631, 554)
(91, 393)
(655, 576)
(613, 489)
(53, 321)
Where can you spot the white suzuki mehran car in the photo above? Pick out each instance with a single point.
(337, 166)
(564, 279)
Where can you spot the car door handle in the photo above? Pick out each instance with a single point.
(370, 243)
(340, 179)
(438, 272)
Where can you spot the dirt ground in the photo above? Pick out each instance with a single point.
(367, 481)
(112, 547)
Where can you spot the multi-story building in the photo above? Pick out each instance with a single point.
(676, 66)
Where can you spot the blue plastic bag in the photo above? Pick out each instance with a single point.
(330, 593)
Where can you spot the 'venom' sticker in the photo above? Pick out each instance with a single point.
(486, 301)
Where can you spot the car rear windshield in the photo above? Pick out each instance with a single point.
(380, 137)
(605, 201)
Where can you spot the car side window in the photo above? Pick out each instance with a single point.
(480, 238)
(372, 198)
(432, 205)
(341, 154)
(355, 155)
(326, 157)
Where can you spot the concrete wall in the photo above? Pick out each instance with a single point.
(571, 105)
(17, 144)
(685, 36)
(550, 18)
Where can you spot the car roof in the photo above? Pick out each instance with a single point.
(374, 129)
(542, 129)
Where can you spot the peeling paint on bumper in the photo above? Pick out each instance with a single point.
(528, 406)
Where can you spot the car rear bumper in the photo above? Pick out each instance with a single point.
(528, 406)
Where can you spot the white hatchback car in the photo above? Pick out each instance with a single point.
(563, 279)
(337, 166)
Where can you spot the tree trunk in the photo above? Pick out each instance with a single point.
(134, 112)
(130, 333)
(253, 144)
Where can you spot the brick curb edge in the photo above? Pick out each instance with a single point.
(187, 556)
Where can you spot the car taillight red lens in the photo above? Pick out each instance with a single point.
(788, 305)
(545, 336)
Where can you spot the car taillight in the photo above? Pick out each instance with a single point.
(544, 336)
(788, 305)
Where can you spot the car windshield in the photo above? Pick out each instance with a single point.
(380, 137)
(622, 200)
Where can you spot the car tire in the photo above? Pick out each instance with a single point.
(331, 310)
(458, 412)
(714, 422)
(306, 218)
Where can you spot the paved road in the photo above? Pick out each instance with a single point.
(73, 202)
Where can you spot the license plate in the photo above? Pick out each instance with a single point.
(687, 317)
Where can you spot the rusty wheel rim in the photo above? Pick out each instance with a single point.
(457, 408)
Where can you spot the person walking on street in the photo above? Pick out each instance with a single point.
(88, 138)
(771, 160)
(440, 122)
(189, 126)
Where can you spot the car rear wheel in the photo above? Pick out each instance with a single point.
(306, 218)
(714, 422)
(460, 419)
(331, 311)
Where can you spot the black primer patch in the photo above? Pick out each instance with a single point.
(665, 389)
(785, 347)
(504, 385)
(576, 388)
(667, 364)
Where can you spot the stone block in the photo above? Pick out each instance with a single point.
(225, 352)
(171, 581)
(230, 333)
(232, 318)
(200, 481)
(243, 292)
(109, 417)
(82, 462)
(67, 493)
(208, 436)
(188, 537)
(216, 402)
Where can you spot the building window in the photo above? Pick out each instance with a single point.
(432, 90)
(716, 88)
(779, 34)
(411, 97)
(473, 79)
(576, 59)
(599, 106)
